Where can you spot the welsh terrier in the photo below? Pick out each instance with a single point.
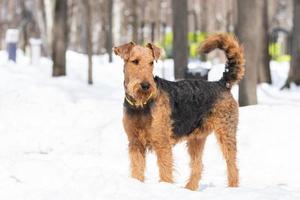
(160, 113)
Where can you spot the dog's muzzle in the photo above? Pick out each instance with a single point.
(141, 104)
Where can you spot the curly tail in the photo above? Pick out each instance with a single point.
(234, 70)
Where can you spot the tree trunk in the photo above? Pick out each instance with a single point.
(60, 38)
(152, 31)
(25, 14)
(1, 23)
(42, 23)
(204, 20)
(89, 44)
(203, 15)
(142, 32)
(263, 67)
(143, 20)
(110, 32)
(180, 42)
(294, 73)
(249, 15)
(158, 11)
(102, 43)
(195, 25)
(229, 15)
(135, 24)
(164, 27)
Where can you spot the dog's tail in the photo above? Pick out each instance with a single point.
(234, 70)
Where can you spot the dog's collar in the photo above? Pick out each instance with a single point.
(141, 104)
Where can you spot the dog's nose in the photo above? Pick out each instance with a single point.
(145, 86)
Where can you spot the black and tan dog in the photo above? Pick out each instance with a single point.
(160, 113)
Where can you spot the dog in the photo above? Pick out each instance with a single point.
(159, 113)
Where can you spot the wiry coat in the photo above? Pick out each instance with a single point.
(187, 109)
(191, 101)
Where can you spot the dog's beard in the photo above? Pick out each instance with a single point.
(138, 96)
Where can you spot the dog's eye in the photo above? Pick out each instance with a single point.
(136, 61)
(151, 63)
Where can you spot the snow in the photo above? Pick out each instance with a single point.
(63, 139)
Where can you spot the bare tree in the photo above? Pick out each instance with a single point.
(26, 18)
(134, 20)
(263, 67)
(60, 37)
(194, 17)
(294, 73)
(180, 42)
(203, 15)
(230, 13)
(42, 23)
(249, 15)
(143, 21)
(155, 20)
(102, 44)
(1, 22)
(110, 32)
(89, 45)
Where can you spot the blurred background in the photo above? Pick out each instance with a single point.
(61, 96)
(268, 30)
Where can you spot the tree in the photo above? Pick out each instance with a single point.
(1, 23)
(294, 72)
(26, 18)
(203, 15)
(42, 23)
(263, 67)
(180, 42)
(134, 22)
(110, 32)
(230, 13)
(89, 44)
(249, 16)
(60, 37)
(143, 21)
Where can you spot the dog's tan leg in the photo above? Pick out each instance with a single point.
(226, 137)
(137, 159)
(195, 149)
(164, 162)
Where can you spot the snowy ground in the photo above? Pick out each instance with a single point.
(62, 139)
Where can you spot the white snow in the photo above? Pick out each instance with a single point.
(63, 139)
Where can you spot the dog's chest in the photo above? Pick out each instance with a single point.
(145, 138)
(144, 127)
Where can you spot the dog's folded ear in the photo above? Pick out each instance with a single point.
(155, 50)
(124, 50)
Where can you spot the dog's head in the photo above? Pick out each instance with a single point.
(139, 83)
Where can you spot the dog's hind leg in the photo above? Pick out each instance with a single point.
(226, 137)
(195, 149)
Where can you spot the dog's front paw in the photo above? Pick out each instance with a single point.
(191, 186)
(233, 184)
(166, 180)
(140, 178)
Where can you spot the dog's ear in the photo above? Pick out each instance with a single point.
(124, 50)
(155, 50)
